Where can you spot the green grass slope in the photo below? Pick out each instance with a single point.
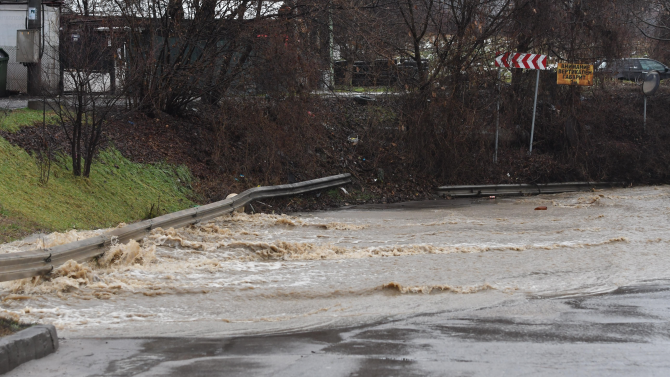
(117, 191)
(12, 120)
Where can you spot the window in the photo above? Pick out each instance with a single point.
(631, 65)
(652, 65)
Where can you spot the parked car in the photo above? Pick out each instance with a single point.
(634, 69)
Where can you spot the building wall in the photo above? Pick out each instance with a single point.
(13, 18)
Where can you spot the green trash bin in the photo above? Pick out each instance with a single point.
(4, 60)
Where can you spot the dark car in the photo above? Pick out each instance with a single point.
(634, 69)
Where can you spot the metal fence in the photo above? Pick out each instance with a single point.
(39, 262)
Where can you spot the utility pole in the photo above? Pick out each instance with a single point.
(331, 44)
(34, 22)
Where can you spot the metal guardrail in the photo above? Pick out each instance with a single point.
(522, 189)
(39, 262)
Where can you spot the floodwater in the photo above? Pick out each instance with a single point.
(262, 274)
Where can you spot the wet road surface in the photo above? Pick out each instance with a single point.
(623, 333)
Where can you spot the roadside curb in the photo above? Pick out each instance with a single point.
(32, 343)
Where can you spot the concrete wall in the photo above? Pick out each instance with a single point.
(13, 18)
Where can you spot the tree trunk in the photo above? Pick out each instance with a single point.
(349, 74)
(76, 136)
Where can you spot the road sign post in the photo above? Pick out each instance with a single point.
(527, 61)
(532, 128)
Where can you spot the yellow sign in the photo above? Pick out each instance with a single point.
(574, 74)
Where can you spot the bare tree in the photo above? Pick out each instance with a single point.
(652, 18)
(184, 51)
(87, 51)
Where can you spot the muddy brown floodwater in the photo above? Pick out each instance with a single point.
(264, 274)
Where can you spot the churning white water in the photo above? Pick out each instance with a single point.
(242, 274)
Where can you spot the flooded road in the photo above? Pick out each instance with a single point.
(622, 333)
(244, 275)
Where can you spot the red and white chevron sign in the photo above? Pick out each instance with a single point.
(516, 60)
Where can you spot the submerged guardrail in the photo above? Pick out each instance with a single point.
(39, 262)
(522, 189)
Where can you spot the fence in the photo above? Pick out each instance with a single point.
(39, 262)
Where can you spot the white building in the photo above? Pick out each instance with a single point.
(13, 17)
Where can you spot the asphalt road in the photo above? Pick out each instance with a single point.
(14, 102)
(626, 332)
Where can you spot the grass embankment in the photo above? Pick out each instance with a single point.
(117, 191)
(12, 120)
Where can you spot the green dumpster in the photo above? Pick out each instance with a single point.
(4, 59)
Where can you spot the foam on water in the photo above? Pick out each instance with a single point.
(238, 273)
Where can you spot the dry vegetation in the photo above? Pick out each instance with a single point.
(240, 92)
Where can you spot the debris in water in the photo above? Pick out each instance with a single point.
(541, 208)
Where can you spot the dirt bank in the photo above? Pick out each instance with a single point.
(260, 141)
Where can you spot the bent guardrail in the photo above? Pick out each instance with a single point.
(39, 262)
(522, 189)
